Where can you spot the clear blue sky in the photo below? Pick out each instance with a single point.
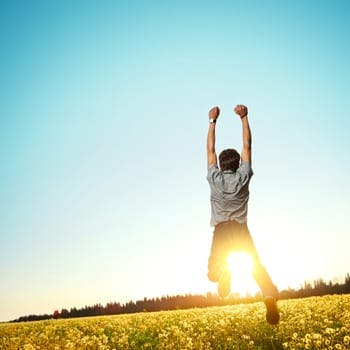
(103, 120)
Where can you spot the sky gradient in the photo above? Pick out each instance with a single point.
(103, 123)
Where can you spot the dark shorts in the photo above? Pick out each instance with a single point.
(229, 237)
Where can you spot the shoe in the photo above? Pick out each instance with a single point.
(224, 284)
(272, 313)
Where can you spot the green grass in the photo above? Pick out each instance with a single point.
(311, 323)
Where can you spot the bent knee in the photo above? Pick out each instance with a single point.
(213, 276)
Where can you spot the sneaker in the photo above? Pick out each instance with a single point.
(224, 284)
(272, 314)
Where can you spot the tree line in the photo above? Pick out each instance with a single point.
(317, 288)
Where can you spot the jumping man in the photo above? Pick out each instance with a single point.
(229, 194)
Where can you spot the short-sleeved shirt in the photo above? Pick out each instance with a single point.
(229, 193)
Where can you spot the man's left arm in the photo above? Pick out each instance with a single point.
(242, 112)
(211, 153)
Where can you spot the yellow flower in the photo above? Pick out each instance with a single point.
(330, 330)
(346, 340)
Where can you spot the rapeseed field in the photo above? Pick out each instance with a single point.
(310, 323)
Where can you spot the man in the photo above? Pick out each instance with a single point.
(229, 187)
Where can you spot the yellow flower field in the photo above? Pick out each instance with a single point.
(311, 323)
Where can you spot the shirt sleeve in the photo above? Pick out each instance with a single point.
(245, 171)
(213, 174)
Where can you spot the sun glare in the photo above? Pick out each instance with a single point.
(241, 266)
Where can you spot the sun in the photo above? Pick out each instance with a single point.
(241, 267)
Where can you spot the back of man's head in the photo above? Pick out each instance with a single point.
(229, 159)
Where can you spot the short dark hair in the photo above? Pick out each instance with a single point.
(229, 159)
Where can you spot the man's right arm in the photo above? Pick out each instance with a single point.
(246, 155)
(211, 153)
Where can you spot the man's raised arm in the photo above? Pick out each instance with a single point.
(246, 155)
(211, 154)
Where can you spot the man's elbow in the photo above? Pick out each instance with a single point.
(210, 150)
(247, 145)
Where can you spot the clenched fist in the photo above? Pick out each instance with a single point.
(214, 113)
(241, 110)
